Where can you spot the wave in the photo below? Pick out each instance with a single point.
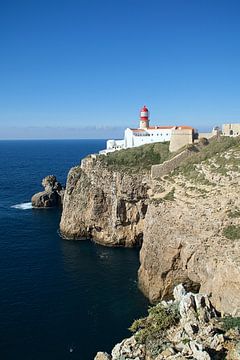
(23, 206)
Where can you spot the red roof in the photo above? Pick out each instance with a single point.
(136, 130)
(159, 127)
(163, 127)
(183, 127)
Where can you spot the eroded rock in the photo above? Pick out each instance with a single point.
(52, 196)
(208, 341)
(102, 356)
(107, 206)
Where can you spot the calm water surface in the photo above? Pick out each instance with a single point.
(56, 294)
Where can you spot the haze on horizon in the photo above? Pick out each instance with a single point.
(83, 69)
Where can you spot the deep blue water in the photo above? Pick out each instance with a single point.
(56, 294)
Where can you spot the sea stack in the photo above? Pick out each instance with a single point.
(52, 196)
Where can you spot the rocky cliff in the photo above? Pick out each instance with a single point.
(106, 205)
(192, 230)
(190, 219)
(186, 328)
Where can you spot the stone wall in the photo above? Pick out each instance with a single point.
(157, 171)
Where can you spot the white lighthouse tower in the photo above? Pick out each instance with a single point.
(144, 118)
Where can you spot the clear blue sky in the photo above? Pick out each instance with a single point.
(90, 62)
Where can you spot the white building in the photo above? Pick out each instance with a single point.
(145, 134)
(231, 130)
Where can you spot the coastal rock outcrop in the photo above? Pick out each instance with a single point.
(190, 219)
(52, 196)
(106, 205)
(192, 232)
(188, 327)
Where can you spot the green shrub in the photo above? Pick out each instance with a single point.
(234, 213)
(230, 322)
(142, 157)
(170, 196)
(217, 146)
(158, 320)
(232, 232)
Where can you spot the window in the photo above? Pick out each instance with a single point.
(231, 132)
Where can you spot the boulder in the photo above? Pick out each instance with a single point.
(52, 196)
(102, 356)
(129, 349)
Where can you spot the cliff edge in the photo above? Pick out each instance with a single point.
(106, 197)
(107, 206)
(187, 220)
(192, 228)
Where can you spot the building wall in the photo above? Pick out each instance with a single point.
(137, 138)
(180, 137)
(231, 129)
(115, 144)
(205, 135)
(128, 138)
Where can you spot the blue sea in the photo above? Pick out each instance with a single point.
(59, 299)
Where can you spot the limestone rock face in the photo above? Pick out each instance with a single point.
(52, 196)
(182, 216)
(184, 237)
(102, 356)
(108, 206)
(128, 349)
(196, 333)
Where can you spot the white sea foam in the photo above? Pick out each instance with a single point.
(23, 206)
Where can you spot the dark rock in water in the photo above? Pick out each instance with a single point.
(52, 196)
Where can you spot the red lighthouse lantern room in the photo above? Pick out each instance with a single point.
(144, 118)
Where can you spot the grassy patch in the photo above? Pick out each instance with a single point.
(234, 213)
(217, 146)
(158, 320)
(170, 196)
(142, 157)
(230, 322)
(232, 232)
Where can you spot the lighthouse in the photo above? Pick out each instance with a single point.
(144, 118)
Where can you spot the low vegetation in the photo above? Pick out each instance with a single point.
(235, 213)
(139, 158)
(170, 196)
(153, 326)
(216, 147)
(230, 322)
(232, 232)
